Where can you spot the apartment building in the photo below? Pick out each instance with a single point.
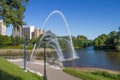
(2, 28)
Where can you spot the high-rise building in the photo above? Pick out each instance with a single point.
(17, 32)
(2, 28)
(37, 32)
(28, 32)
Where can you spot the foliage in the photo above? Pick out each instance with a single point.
(91, 75)
(4, 41)
(17, 47)
(9, 71)
(100, 40)
(12, 12)
(75, 43)
(7, 42)
(64, 44)
(106, 74)
(81, 41)
(32, 41)
(17, 41)
(110, 41)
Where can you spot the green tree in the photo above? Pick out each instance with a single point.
(100, 41)
(32, 41)
(112, 34)
(110, 41)
(117, 43)
(17, 41)
(4, 41)
(12, 12)
(75, 43)
(82, 41)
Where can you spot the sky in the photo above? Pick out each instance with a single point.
(90, 18)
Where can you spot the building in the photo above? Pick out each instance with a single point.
(37, 32)
(28, 32)
(2, 28)
(17, 32)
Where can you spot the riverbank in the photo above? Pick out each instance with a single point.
(106, 49)
(21, 51)
(89, 69)
(96, 75)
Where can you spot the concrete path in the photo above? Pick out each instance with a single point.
(52, 72)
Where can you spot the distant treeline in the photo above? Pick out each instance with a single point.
(104, 41)
(110, 41)
(79, 42)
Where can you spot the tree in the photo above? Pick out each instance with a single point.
(82, 41)
(100, 41)
(4, 41)
(110, 41)
(32, 41)
(75, 43)
(117, 43)
(12, 12)
(17, 41)
(112, 34)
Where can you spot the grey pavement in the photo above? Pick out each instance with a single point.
(52, 73)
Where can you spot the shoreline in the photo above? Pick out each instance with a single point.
(90, 69)
(107, 49)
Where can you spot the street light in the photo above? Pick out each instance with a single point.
(25, 54)
(44, 45)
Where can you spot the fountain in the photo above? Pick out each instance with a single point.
(53, 41)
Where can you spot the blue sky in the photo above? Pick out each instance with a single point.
(85, 17)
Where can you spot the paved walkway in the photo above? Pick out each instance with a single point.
(52, 73)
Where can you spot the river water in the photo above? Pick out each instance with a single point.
(96, 59)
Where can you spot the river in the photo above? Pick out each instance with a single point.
(96, 59)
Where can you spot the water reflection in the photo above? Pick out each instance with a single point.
(96, 59)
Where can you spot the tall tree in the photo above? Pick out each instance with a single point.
(12, 12)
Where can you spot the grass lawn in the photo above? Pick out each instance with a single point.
(99, 75)
(9, 71)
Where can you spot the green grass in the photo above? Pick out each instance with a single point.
(9, 71)
(92, 75)
(17, 47)
(107, 74)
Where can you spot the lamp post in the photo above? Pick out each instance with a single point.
(44, 44)
(25, 53)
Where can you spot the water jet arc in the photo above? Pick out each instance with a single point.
(67, 26)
